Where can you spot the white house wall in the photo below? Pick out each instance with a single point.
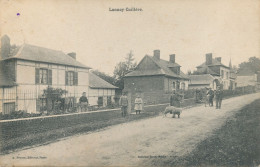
(25, 72)
(225, 80)
(246, 80)
(94, 93)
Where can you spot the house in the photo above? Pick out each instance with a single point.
(201, 81)
(247, 77)
(222, 74)
(101, 92)
(156, 77)
(27, 70)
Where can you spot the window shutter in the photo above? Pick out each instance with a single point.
(37, 75)
(75, 79)
(66, 78)
(49, 77)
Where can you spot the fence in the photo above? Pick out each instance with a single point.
(38, 102)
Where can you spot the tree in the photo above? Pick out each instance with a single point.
(123, 68)
(253, 64)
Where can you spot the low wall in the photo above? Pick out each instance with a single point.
(30, 131)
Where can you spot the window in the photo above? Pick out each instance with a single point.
(183, 85)
(43, 76)
(100, 101)
(71, 78)
(9, 107)
(226, 75)
(109, 101)
(177, 85)
(222, 74)
(173, 85)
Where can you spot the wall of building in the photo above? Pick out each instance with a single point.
(144, 83)
(169, 82)
(28, 91)
(246, 80)
(95, 93)
(225, 79)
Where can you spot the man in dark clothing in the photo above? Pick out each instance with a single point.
(175, 99)
(211, 96)
(218, 95)
(83, 101)
(123, 102)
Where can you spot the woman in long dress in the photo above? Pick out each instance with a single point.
(138, 104)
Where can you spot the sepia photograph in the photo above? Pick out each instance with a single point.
(130, 83)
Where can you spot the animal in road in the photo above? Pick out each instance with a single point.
(172, 110)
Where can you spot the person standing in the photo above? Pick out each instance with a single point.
(138, 104)
(218, 95)
(123, 102)
(211, 96)
(175, 100)
(83, 101)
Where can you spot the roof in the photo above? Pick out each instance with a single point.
(97, 82)
(215, 62)
(202, 79)
(5, 79)
(164, 69)
(40, 54)
(206, 70)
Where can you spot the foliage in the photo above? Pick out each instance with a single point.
(52, 95)
(17, 114)
(253, 64)
(123, 68)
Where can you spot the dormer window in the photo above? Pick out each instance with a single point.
(176, 70)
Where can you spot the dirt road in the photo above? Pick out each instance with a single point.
(134, 143)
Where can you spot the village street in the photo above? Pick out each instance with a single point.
(133, 143)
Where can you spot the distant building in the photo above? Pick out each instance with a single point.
(201, 81)
(154, 75)
(27, 70)
(222, 74)
(101, 92)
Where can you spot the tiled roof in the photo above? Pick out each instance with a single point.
(5, 80)
(202, 79)
(164, 69)
(215, 62)
(97, 82)
(40, 54)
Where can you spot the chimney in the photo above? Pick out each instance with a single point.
(208, 58)
(5, 47)
(73, 55)
(172, 58)
(156, 54)
(218, 59)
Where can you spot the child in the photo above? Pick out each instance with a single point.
(138, 104)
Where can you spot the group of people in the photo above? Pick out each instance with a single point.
(123, 102)
(218, 94)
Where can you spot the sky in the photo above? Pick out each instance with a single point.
(101, 38)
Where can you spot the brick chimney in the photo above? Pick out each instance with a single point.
(73, 55)
(172, 58)
(208, 58)
(218, 59)
(5, 47)
(156, 54)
